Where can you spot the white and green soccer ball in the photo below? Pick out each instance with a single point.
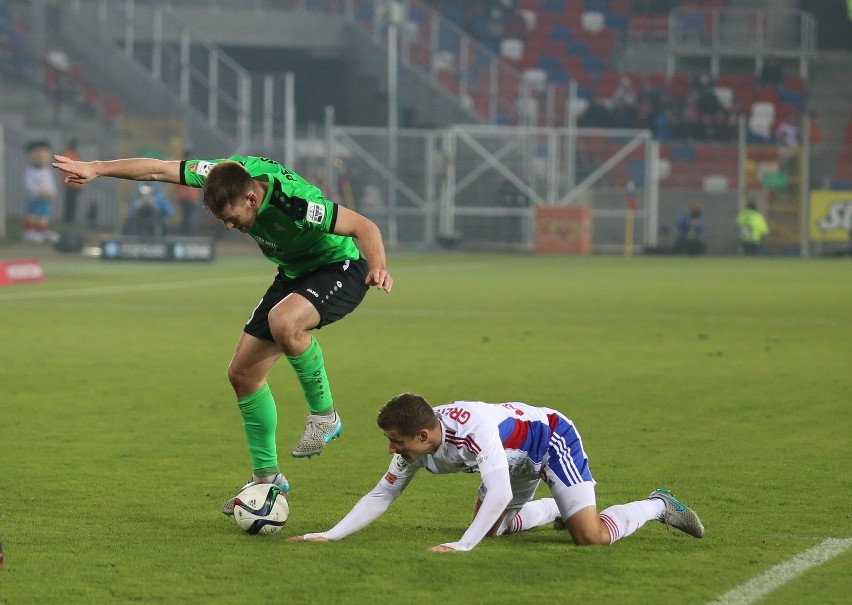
(261, 508)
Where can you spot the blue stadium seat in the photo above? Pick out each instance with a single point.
(578, 49)
(793, 97)
(561, 33)
(683, 152)
(620, 23)
(598, 6)
(594, 65)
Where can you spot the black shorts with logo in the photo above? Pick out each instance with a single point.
(334, 290)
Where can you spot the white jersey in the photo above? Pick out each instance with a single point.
(480, 437)
(507, 443)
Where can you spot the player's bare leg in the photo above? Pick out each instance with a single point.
(290, 322)
(588, 527)
(247, 374)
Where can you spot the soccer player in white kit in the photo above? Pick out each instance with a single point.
(513, 446)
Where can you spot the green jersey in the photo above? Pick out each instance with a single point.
(294, 222)
(753, 227)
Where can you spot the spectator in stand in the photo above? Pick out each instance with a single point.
(788, 136)
(712, 114)
(624, 93)
(188, 198)
(40, 186)
(689, 125)
(703, 80)
(690, 232)
(664, 125)
(597, 115)
(625, 112)
(787, 132)
(771, 75)
(72, 190)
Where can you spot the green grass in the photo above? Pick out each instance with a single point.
(725, 379)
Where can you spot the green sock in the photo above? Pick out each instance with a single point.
(260, 417)
(310, 369)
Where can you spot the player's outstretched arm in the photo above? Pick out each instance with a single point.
(368, 509)
(497, 498)
(370, 238)
(132, 169)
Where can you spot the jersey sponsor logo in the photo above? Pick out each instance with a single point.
(481, 459)
(399, 462)
(269, 249)
(390, 478)
(316, 213)
(202, 168)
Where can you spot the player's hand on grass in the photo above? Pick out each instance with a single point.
(308, 538)
(442, 548)
(380, 278)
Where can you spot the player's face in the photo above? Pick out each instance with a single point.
(410, 448)
(240, 215)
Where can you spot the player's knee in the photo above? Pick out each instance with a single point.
(240, 378)
(283, 328)
(590, 536)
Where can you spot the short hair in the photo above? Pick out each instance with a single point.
(226, 183)
(407, 413)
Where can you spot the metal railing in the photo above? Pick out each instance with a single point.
(490, 87)
(192, 67)
(734, 32)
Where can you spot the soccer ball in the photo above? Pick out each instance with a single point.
(261, 508)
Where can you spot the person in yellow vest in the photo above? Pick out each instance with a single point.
(752, 227)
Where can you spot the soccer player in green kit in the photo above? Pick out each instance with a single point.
(322, 276)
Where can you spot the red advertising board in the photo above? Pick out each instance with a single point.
(20, 271)
(563, 230)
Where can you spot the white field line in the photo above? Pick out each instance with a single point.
(756, 588)
(43, 293)
(151, 287)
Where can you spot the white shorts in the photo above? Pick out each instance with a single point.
(571, 498)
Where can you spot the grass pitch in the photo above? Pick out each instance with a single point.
(724, 379)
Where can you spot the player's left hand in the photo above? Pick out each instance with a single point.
(379, 278)
(442, 548)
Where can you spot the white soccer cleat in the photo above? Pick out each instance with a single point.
(279, 480)
(319, 430)
(678, 515)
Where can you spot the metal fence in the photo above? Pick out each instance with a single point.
(479, 186)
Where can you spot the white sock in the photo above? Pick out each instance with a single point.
(267, 479)
(532, 514)
(624, 519)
